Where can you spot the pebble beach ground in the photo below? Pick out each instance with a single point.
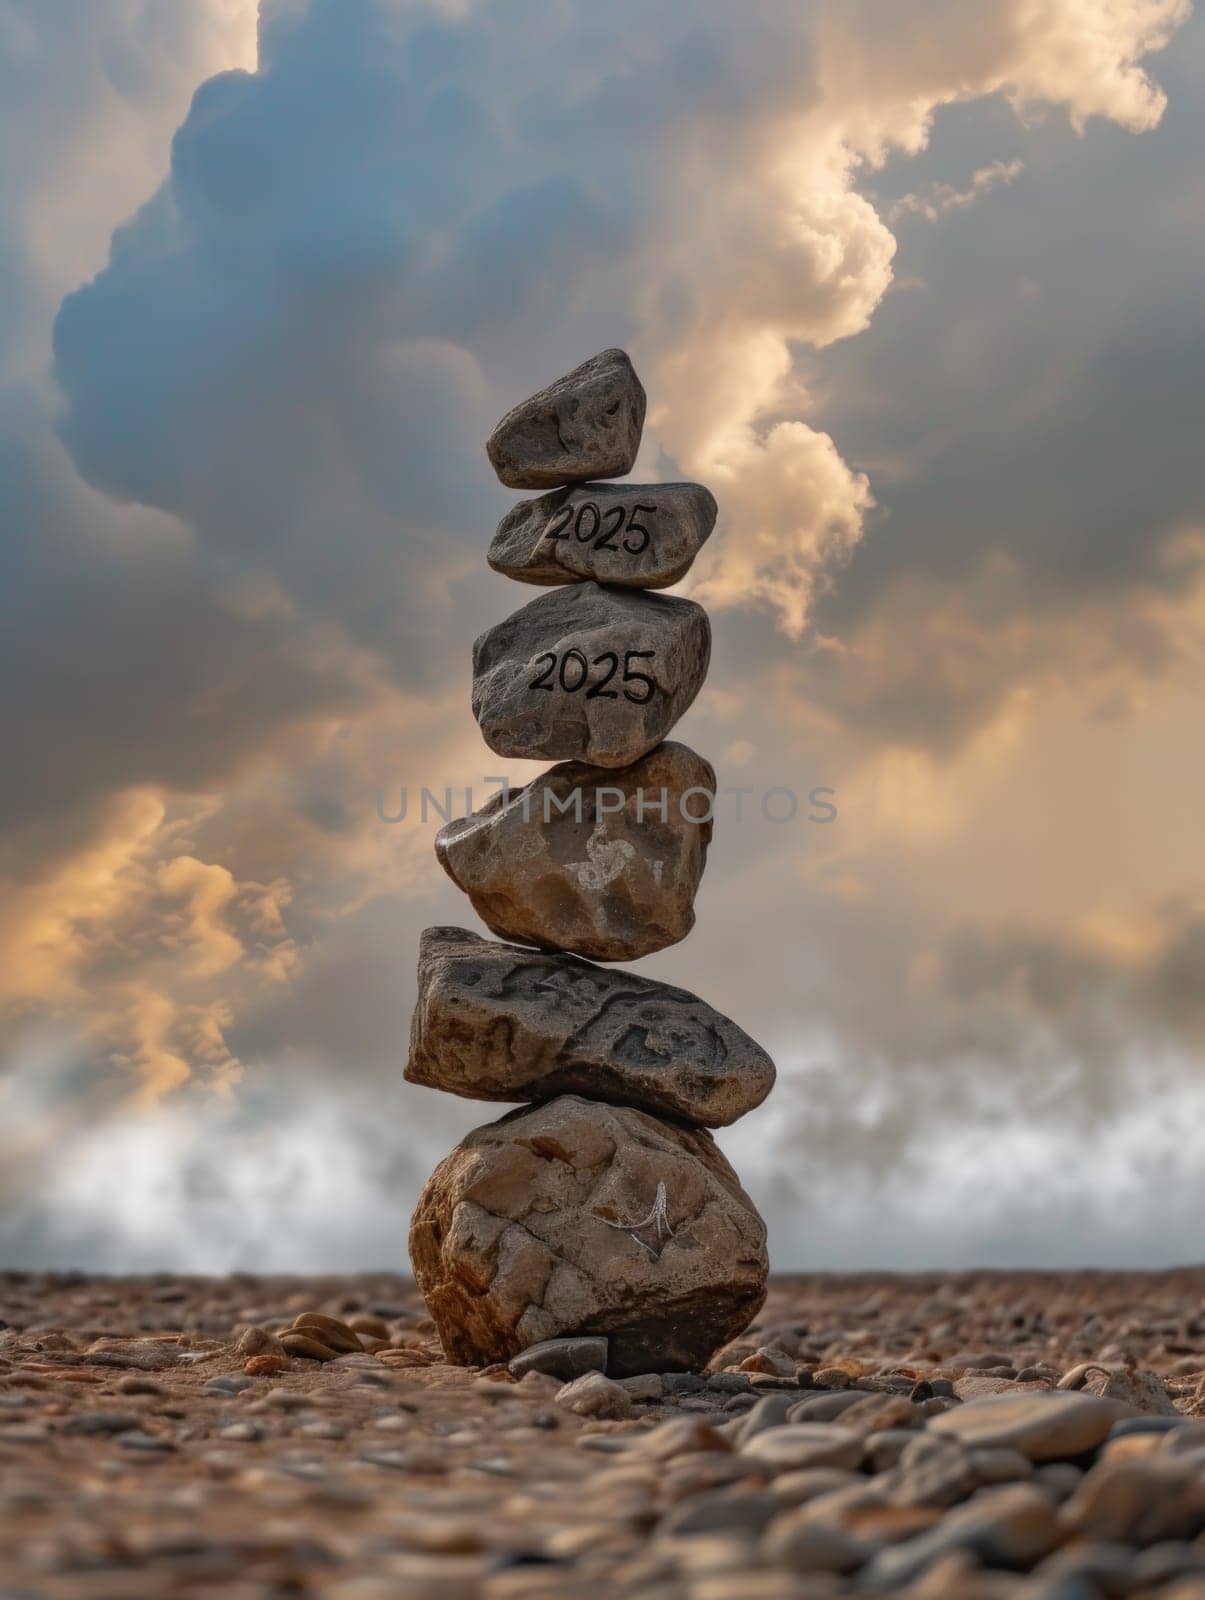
(869, 1434)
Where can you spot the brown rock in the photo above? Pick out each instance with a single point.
(589, 674)
(265, 1366)
(593, 1395)
(496, 1023)
(1045, 1425)
(586, 424)
(1140, 1501)
(638, 535)
(329, 1331)
(297, 1343)
(576, 1217)
(259, 1342)
(583, 860)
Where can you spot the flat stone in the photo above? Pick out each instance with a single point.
(802, 1546)
(719, 1511)
(825, 1407)
(584, 425)
(1010, 1527)
(684, 1436)
(578, 1215)
(589, 674)
(562, 1358)
(801, 1444)
(1051, 1425)
(931, 1471)
(493, 1022)
(580, 860)
(1139, 1501)
(593, 1395)
(90, 1423)
(637, 535)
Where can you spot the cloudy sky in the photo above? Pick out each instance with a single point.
(914, 286)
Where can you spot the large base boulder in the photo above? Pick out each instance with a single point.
(575, 1217)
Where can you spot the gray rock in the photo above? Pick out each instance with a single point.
(589, 674)
(683, 1436)
(683, 1383)
(1148, 1424)
(1047, 1425)
(151, 1443)
(562, 1358)
(579, 860)
(932, 1471)
(719, 1511)
(825, 1407)
(885, 1447)
(1000, 1465)
(584, 425)
(645, 1386)
(1010, 1527)
(496, 1023)
(579, 1215)
(770, 1412)
(1107, 1566)
(593, 1395)
(729, 1382)
(1173, 1558)
(1141, 1500)
(793, 1542)
(637, 535)
(802, 1444)
(90, 1423)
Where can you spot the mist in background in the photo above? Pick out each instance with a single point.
(916, 289)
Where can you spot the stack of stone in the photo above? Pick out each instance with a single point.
(603, 1208)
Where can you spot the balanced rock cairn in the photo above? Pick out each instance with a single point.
(602, 1211)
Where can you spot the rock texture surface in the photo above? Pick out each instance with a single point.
(583, 860)
(493, 1022)
(584, 425)
(545, 1224)
(640, 535)
(587, 673)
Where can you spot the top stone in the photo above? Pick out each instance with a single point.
(585, 425)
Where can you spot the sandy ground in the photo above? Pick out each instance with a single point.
(139, 1460)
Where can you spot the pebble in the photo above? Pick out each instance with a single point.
(102, 1422)
(1047, 1426)
(227, 1385)
(720, 1511)
(1141, 1501)
(804, 1546)
(1013, 1527)
(255, 1341)
(825, 1407)
(593, 1395)
(151, 1443)
(562, 1358)
(799, 1445)
(682, 1436)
